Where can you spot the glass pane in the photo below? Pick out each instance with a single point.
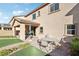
(56, 6)
(52, 7)
(70, 26)
(73, 27)
(68, 31)
(73, 32)
(34, 16)
(38, 13)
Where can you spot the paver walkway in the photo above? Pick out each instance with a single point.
(61, 51)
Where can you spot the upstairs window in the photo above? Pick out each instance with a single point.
(71, 29)
(38, 13)
(34, 16)
(54, 7)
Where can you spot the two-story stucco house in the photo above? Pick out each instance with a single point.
(58, 20)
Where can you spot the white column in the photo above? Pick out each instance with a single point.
(30, 28)
(22, 31)
(2, 28)
(13, 29)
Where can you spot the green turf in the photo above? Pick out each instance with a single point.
(29, 51)
(8, 41)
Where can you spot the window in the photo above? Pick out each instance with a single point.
(5, 28)
(71, 29)
(34, 16)
(57, 6)
(41, 29)
(17, 32)
(10, 28)
(54, 7)
(38, 13)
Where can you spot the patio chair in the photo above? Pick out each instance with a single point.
(42, 44)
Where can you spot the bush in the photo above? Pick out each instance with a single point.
(7, 51)
(75, 47)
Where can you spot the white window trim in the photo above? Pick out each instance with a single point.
(65, 30)
(70, 30)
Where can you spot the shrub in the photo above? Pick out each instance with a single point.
(7, 51)
(75, 47)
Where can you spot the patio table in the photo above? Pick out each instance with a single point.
(48, 39)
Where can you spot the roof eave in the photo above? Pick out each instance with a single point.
(37, 9)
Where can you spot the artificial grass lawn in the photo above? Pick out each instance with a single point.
(29, 51)
(8, 41)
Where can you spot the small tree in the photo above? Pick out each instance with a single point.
(75, 46)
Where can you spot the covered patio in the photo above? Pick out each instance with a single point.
(22, 28)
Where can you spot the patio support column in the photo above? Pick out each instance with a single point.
(2, 28)
(22, 31)
(30, 29)
(13, 29)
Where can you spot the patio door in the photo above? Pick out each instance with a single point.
(28, 32)
(33, 30)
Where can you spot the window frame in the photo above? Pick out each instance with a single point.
(38, 13)
(34, 16)
(41, 29)
(53, 7)
(71, 29)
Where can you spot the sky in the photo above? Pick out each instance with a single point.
(8, 10)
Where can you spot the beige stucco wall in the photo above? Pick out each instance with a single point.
(54, 23)
(22, 31)
(6, 33)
